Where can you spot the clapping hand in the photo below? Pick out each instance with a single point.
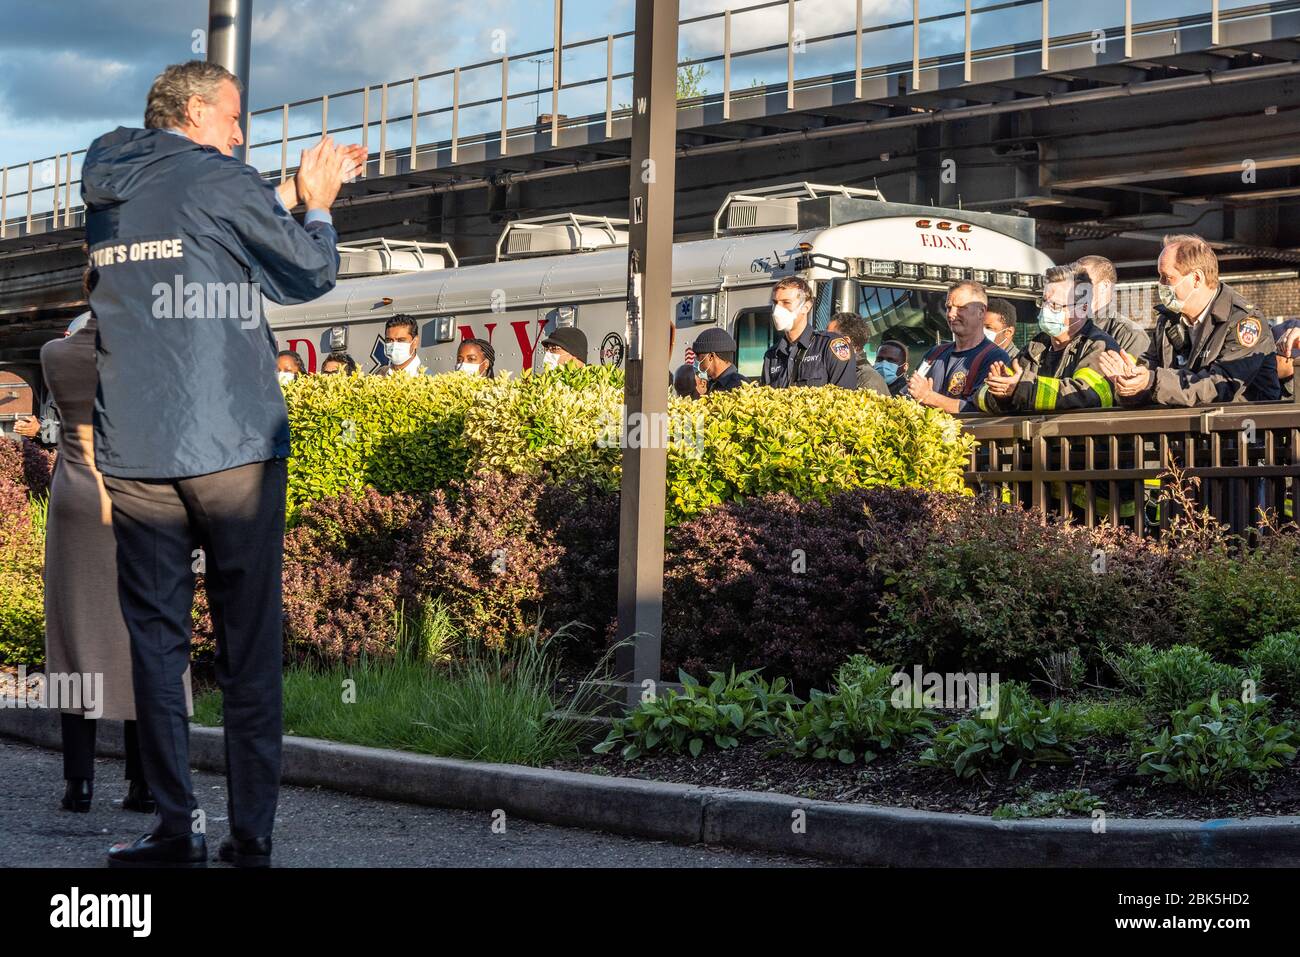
(351, 162)
(354, 165)
(1286, 345)
(1128, 378)
(918, 387)
(320, 174)
(1002, 381)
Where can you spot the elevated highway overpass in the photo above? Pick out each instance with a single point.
(1110, 124)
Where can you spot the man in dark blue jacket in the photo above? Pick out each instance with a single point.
(191, 432)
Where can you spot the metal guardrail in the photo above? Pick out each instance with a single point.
(41, 192)
(1096, 468)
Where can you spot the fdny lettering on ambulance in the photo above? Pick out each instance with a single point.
(946, 242)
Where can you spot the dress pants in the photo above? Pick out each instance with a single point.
(79, 747)
(237, 517)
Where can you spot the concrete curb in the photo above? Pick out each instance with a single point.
(849, 833)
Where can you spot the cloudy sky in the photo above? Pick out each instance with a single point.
(72, 69)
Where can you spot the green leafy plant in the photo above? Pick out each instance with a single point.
(486, 705)
(1023, 730)
(948, 600)
(857, 719)
(810, 443)
(1048, 804)
(1063, 671)
(1235, 593)
(1211, 744)
(40, 508)
(426, 633)
(1118, 716)
(1277, 658)
(1171, 678)
(690, 81)
(731, 706)
(562, 425)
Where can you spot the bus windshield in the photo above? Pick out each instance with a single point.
(918, 319)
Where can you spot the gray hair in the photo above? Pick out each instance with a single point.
(172, 88)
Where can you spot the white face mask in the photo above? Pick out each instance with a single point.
(469, 368)
(783, 318)
(550, 361)
(1168, 298)
(397, 352)
(286, 377)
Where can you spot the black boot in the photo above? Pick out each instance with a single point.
(77, 795)
(139, 798)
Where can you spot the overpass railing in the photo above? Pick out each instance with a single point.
(758, 50)
(1111, 467)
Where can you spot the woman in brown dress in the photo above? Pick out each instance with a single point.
(84, 631)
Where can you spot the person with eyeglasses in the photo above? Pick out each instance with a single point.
(1059, 368)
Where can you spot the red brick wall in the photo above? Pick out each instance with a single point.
(1274, 299)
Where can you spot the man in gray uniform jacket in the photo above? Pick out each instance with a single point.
(1208, 346)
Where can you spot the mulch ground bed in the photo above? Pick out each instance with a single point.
(893, 780)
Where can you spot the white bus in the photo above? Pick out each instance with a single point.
(889, 262)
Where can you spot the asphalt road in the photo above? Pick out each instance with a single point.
(318, 828)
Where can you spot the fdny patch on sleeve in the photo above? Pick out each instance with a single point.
(1248, 331)
(842, 349)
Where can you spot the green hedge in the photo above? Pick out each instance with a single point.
(560, 424)
(810, 443)
(22, 595)
(395, 433)
(415, 435)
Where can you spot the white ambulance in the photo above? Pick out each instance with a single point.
(889, 262)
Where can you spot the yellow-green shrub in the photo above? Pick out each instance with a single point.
(415, 435)
(394, 433)
(561, 424)
(22, 592)
(810, 442)
(730, 446)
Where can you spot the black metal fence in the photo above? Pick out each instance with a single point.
(1112, 466)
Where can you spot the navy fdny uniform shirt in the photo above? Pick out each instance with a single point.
(959, 375)
(815, 358)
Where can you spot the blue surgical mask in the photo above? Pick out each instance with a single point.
(888, 371)
(1053, 321)
(699, 371)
